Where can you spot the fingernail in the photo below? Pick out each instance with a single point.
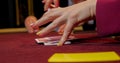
(60, 33)
(59, 44)
(38, 33)
(43, 1)
(35, 30)
(31, 24)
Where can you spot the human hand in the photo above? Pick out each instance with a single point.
(48, 4)
(70, 16)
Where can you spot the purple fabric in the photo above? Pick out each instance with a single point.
(108, 17)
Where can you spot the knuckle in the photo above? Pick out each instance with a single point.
(54, 23)
(72, 16)
(50, 16)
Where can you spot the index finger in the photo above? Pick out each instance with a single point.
(43, 20)
(50, 15)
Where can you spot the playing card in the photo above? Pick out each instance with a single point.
(55, 43)
(51, 39)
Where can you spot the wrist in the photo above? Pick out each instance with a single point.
(92, 7)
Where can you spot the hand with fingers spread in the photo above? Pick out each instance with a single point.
(70, 16)
(53, 4)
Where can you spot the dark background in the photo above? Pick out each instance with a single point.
(8, 11)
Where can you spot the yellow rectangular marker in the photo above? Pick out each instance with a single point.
(85, 57)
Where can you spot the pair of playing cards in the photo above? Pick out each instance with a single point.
(52, 40)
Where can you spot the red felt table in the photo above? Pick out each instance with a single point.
(22, 48)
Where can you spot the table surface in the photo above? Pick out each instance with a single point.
(22, 48)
